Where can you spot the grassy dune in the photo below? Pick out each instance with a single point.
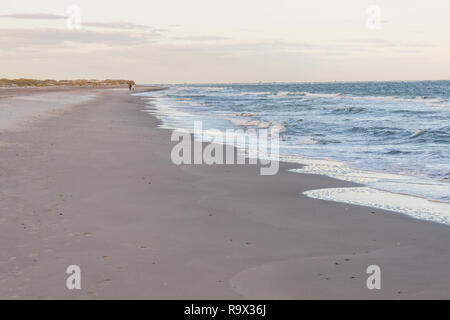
(50, 83)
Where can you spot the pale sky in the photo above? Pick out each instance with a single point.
(178, 41)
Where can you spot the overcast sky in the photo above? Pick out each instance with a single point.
(175, 41)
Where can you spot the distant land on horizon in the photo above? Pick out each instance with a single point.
(22, 82)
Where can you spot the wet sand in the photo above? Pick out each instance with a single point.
(93, 185)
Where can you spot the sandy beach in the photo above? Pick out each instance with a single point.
(86, 179)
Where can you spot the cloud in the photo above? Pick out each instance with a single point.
(34, 16)
(201, 38)
(59, 38)
(389, 43)
(123, 25)
(118, 25)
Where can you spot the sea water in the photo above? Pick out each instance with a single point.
(392, 137)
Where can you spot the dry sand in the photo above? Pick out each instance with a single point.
(95, 187)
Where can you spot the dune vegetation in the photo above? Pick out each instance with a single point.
(51, 83)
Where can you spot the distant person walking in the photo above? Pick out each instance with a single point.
(129, 86)
(132, 87)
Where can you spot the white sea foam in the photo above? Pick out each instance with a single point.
(375, 193)
(247, 114)
(258, 123)
(168, 111)
(337, 170)
(418, 133)
(323, 95)
(286, 94)
(171, 117)
(439, 105)
(434, 102)
(308, 141)
(254, 93)
(364, 196)
(245, 123)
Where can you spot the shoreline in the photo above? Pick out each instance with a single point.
(434, 210)
(95, 186)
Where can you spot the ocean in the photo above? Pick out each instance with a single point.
(391, 137)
